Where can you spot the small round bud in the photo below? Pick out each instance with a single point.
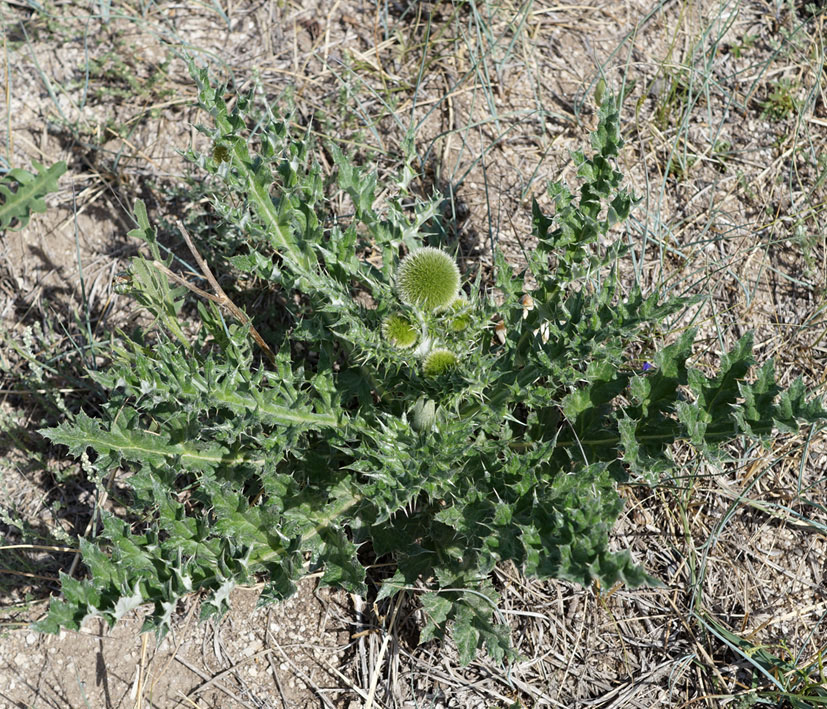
(459, 323)
(460, 318)
(428, 278)
(438, 362)
(398, 331)
(423, 415)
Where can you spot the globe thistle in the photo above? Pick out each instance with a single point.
(399, 332)
(428, 278)
(439, 361)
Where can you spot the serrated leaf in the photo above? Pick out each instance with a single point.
(716, 395)
(390, 587)
(793, 404)
(359, 184)
(62, 614)
(23, 192)
(139, 446)
(341, 565)
(695, 420)
(98, 562)
(437, 608)
(466, 636)
(127, 603)
(221, 596)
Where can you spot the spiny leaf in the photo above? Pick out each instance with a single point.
(142, 447)
(715, 395)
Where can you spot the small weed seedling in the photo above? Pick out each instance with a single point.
(782, 101)
(392, 410)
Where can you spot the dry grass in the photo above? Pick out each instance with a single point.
(725, 116)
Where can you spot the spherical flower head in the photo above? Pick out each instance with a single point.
(399, 332)
(428, 278)
(439, 361)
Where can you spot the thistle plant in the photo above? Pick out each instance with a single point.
(320, 436)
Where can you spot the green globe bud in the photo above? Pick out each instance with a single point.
(461, 319)
(438, 362)
(423, 415)
(428, 278)
(399, 332)
(459, 323)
